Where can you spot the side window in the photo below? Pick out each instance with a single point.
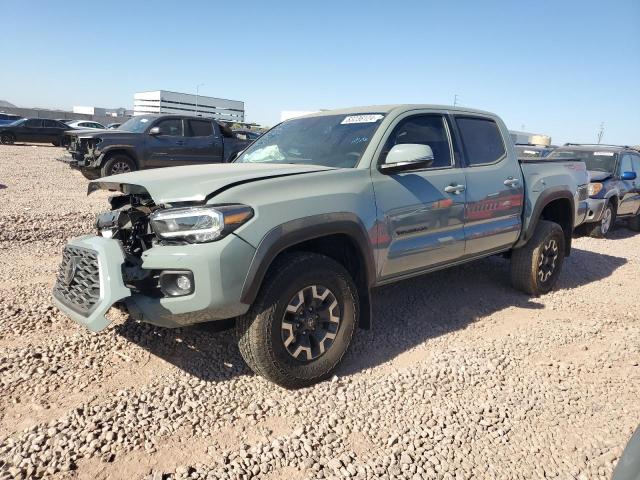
(626, 165)
(636, 164)
(171, 126)
(426, 130)
(481, 140)
(33, 123)
(50, 123)
(200, 128)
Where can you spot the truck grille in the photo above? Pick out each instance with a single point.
(78, 282)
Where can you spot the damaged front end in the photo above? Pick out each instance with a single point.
(82, 151)
(97, 272)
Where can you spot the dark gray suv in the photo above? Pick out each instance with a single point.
(614, 191)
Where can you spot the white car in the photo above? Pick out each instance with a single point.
(80, 124)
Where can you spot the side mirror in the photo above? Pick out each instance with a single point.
(407, 156)
(628, 176)
(154, 131)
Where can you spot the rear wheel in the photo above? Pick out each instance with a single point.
(602, 228)
(7, 139)
(116, 165)
(302, 321)
(536, 266)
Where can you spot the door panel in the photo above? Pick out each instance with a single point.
(627, 204)
(204, 144)
(422, 223)
(167, 148)
(31, 131)
(495, 188)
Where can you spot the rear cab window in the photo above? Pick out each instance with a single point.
(481, 140)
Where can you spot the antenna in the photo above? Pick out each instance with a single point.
(600, 133)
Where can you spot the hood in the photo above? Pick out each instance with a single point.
(95, 132)
(597, 176)
(196, 183)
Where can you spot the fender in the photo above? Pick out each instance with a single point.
(554, 193)
(308, 228)
(126, 149)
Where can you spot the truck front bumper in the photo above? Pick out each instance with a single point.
(218, 268)
(595, 207)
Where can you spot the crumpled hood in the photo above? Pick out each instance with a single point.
(597, 176)
(196, 183)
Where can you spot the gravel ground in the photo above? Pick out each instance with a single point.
(460, 377)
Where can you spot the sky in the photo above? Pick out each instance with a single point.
(559, 67)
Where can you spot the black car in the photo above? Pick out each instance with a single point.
(36, 130)
(614, 191)
(151, 141)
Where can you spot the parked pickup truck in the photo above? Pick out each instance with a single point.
(151, 141)
(292, 237)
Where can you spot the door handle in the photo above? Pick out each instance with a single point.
(455, 189)
(511, 182)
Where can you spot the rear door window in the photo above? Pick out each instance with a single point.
(33, 123)
(200, 128)
(481, 140)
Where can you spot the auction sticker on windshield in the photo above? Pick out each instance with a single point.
(370, 118)
(603, 154)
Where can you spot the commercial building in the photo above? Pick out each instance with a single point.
(102, 112)
(165, 102)
(528, 138)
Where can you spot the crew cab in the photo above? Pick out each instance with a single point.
(151, 141)
(292, 238)
(614, 191)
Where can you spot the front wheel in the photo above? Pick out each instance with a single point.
(302, 321)
(536, 266)
(602, 228)
(116, 165)
(7, 139)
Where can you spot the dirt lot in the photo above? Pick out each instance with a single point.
(460, 377)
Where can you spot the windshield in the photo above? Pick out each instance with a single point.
(595, 160)
(16, 122)
(135, 124)
(331, 141)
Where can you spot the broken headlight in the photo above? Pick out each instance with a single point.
(199, 224)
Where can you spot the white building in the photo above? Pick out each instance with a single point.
(165, 102)
(89, 110)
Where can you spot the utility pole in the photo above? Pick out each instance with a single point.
(197, 95)
(600, 133)
(455, 100)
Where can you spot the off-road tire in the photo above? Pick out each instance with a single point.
(596, 230)
(259, 330)
(525, 261)
(116, 164)
(7, 139)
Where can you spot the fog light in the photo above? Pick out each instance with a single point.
(176, 283)
(183, 283)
